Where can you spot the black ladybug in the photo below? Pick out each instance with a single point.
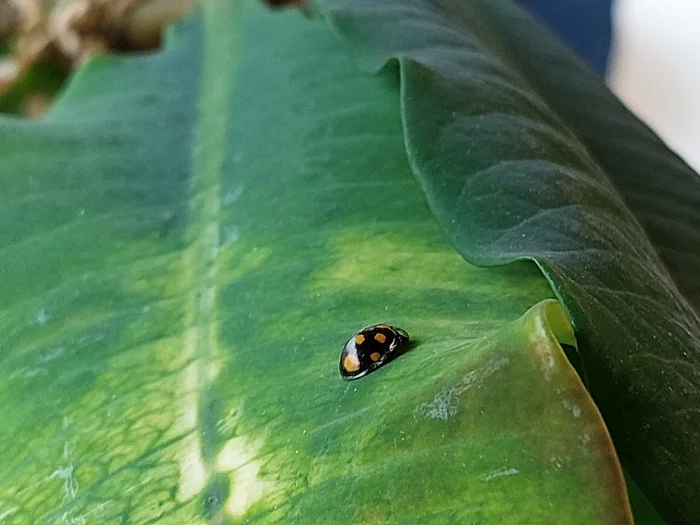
(369, 349)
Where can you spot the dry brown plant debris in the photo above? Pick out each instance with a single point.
(71, 31)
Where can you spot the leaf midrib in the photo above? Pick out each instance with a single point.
(200, 343)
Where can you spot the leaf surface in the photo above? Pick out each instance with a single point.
(189, 238)
(524, 154)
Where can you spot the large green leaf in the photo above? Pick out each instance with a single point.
(524, 154)
(188, 239)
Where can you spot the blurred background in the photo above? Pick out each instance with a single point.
(648, 51)
(655, 68)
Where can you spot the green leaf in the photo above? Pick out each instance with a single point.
(524, 154)
(189, 238)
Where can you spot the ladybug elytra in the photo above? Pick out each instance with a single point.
(370, 348)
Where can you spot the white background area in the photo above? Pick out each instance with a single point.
(655, 68)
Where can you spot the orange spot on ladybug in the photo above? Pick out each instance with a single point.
(375, 356)
(359, 339)
(380, 338)
(351, 363)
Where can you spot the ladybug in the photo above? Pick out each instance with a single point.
(369, 349)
